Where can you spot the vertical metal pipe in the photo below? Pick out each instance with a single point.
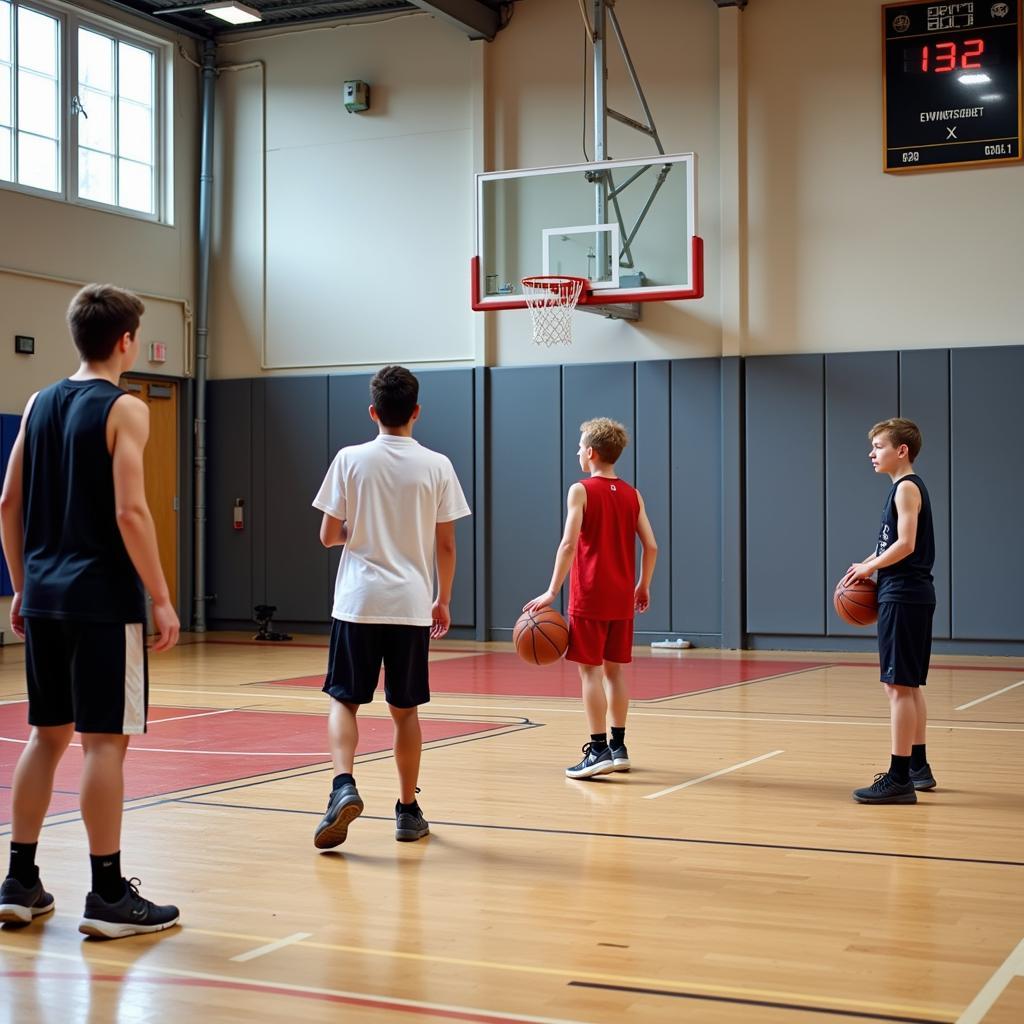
(202, 333)
(600, 27)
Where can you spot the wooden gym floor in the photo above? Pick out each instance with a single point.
(728, 878)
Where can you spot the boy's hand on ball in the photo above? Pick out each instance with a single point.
(544, 600)
(857, 571)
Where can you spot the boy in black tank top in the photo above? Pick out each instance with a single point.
(78, 535)
(903, 559)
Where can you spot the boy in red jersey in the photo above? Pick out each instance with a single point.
(605, 516)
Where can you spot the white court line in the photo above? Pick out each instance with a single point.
(989, 696)
(493, 708)
(199, 714)
(386, 1002)
(979, 1006)
(713, 775)
(271, 947)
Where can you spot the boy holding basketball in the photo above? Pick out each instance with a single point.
(78, 536)
(903, 560)
(604, 517)
(393, 504)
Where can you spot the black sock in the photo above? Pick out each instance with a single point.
(106, 876)
(918, 757)
(408, 808)
(899, 768)
(344, 779)
(23, 863)
(618, 736)
(598, 741)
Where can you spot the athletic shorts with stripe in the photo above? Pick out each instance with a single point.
(94, 674)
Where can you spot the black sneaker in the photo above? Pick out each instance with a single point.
(344, 805)
(593, 763)
(130, 915)
(620, 758)
(886, 790)
(410, 825)
(922, 777)
(19, 905)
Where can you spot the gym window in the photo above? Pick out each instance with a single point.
(82, 110)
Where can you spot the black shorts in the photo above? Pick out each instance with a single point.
(904, 642)
(94, 674)
(359, 648)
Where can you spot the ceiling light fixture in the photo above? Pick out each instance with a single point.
(233, 12)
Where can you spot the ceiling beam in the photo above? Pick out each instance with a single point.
(474, 18)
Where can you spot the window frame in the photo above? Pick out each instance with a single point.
(70, 20)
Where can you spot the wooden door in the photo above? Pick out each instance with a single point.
(161, 468)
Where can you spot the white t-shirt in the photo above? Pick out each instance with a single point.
(393, 492)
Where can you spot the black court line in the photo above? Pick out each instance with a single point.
(248, 781)
(623, 835)
(770, 1004)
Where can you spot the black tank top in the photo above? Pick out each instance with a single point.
(76, 565)
(909, 581)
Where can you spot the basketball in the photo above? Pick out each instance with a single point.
(856, 604)
(540, 638)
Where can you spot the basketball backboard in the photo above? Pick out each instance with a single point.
(627, 226)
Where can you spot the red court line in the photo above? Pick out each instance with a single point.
(194, 752)
(372, 1002)
(499, 674)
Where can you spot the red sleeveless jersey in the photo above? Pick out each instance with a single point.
(604, 569)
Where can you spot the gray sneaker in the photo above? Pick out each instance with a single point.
(886, 790)
(19, 905)
(620, 758)
(410, 825)
(593, 763)
(344, 805)
(130, 915)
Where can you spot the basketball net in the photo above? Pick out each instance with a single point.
(552, 300)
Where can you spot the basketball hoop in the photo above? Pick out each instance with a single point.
(551, 300)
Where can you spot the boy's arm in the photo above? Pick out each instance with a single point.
(127, 434)
(12, 529)
(444, 544)
(908, 508)
(576, 502)
(333, 532)
(649, 555)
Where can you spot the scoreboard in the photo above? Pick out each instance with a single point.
(952, 83)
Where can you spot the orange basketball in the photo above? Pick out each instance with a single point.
(856, 604)
(540, 638)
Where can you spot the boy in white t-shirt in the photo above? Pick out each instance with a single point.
(392, 503)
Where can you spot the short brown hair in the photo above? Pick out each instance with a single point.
(606, 437)
(899, 431)
(100, 314)
(394, 392)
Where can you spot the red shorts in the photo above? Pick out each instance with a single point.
(593, 641)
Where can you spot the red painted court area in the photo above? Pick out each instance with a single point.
(505, 675)
(188, 747)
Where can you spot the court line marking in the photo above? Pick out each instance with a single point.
(525, 709)
(1012, 966)
(309, 991)
(497, 965)
(200, 714)
(271, 947)
(713, 775)
(989, 696)
(759, 1002)
(785, 847)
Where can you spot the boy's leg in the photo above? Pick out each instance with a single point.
(617, 695)
(102, 792)
(33, 779)
(595, 702)
(22, 896)
(343, 735)
(408, 749)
